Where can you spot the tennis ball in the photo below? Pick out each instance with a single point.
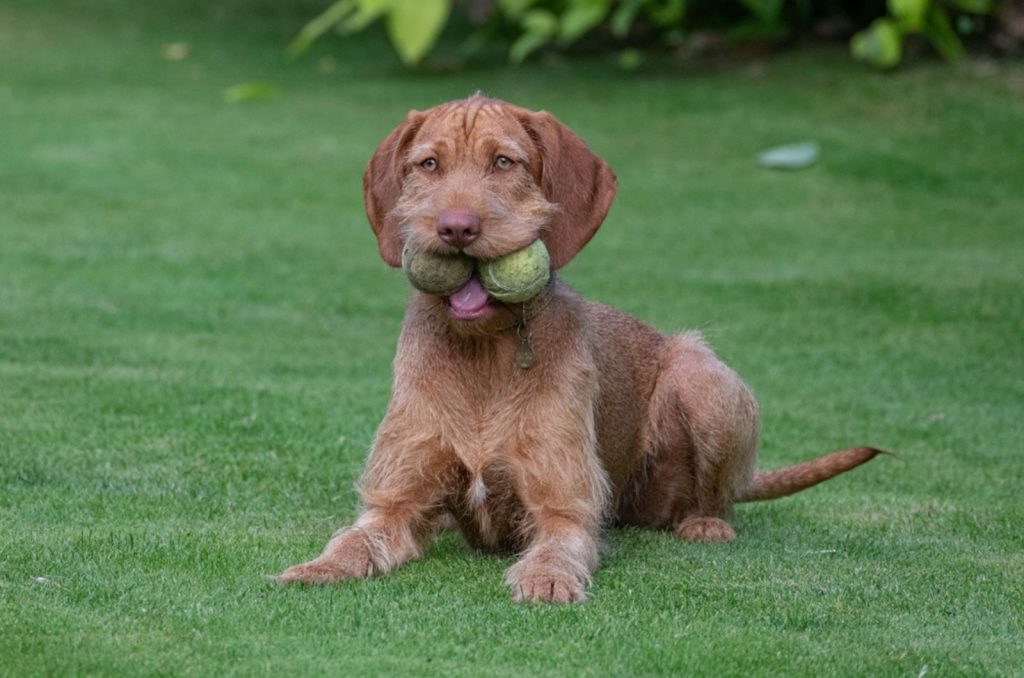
(436, 273)
(518, 276)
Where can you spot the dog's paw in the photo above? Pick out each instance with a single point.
(346, 557)
(543, 582)
(705, 529)
(547, 587)
(317, 571)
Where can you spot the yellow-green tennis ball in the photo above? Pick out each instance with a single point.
(518, 276)
(436, 273)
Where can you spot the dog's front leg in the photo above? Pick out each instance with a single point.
(402, 490)
(564, 490)
(558, 564)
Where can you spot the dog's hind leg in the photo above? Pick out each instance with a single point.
(702, 445)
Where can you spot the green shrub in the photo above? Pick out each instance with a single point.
(414, 26)
(881, 44)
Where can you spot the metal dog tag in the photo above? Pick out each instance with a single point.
(524, 355)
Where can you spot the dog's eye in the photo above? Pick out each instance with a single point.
(430, 164)
(503, 162)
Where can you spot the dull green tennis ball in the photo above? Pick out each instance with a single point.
(436, 273)
(518, 276)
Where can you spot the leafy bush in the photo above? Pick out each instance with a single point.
(414, 26)
(881, 44)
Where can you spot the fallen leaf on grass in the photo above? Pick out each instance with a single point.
(176, 51)
(249, 91)
(791, 156)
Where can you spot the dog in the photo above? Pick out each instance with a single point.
(531, 426)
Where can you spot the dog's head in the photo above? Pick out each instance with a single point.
(486, 178)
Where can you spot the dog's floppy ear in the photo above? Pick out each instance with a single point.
(382, 187)
(579, 182)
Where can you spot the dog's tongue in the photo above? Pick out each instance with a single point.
(469, 300)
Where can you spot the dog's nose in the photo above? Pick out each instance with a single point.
(458, 227)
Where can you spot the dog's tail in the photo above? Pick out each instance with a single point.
(784, 481)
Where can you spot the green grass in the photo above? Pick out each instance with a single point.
(195, 342)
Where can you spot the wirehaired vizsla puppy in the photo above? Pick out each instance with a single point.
(531, 425)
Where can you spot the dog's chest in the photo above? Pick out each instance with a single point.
(482, 433)
(487, 509)
(479, 407)
(478, 400)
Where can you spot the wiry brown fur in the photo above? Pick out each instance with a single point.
(614, 422)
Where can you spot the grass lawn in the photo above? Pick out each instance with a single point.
(196, 334)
